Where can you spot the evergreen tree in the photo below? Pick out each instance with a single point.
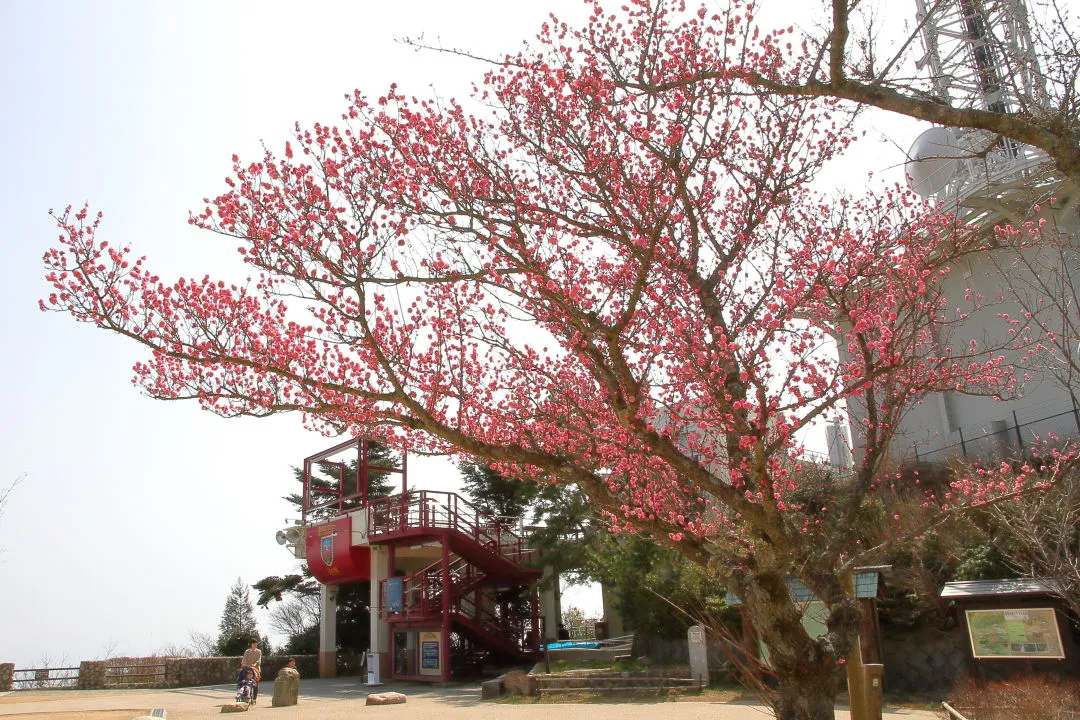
(657, 591)
(327, 477)
(564, 525)
(494, 494)
(237, 626)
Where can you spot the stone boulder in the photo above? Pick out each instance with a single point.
(234, 707)
(518, 682)
(286, 688)
(386, 698)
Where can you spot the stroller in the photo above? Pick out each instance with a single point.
(247, 685)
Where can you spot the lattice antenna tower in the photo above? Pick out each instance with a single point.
(979, 54)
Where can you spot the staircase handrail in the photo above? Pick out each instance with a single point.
(443, 509)
(485, 617)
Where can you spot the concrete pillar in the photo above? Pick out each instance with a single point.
(7, 676)
(612, 617)
(444, 638)
(379, 629)
(328, 631)
(550, 603)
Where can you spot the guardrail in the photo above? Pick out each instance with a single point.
(45, 678)
(435, 509)
(1004, 438)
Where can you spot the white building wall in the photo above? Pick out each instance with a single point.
(935, 426)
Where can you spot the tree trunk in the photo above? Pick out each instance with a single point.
(808, 671)
(806, 691)
(806, 697)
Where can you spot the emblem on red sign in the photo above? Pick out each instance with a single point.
(327, 533)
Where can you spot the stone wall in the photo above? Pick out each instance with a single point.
(223, 670)
(179, 672)
(92, 674)
(664, 651)
(923, 660)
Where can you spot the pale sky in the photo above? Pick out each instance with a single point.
(137, 515)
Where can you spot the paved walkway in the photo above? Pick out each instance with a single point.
(344, 698)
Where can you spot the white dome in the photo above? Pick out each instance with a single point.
(933, 161)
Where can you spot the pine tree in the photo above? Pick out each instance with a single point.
(325, 480)
(237, 626)
(495, 494)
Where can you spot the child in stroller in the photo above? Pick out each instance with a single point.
(247, 686)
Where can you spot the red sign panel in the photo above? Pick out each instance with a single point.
(331, 556)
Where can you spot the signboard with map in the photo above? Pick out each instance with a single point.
(1014, 633)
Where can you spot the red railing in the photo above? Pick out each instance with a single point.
(424, 592)
(486, 612)
(423, 600)
(438, 510)
(316, 499)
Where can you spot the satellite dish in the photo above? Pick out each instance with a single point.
(934, 161)
(280, 537)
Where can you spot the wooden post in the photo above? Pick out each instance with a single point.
(856, 678)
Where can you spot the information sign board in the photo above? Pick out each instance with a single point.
(1014, 633)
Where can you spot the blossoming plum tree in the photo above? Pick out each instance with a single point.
(634, 292)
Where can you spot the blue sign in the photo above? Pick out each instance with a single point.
(395, 594)
(429, 655)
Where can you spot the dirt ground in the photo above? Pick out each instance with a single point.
(344, 698)
(82, 714)
(37, 696)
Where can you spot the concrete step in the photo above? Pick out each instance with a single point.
(614, 682)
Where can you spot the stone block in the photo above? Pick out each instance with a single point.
(387, 698)
(286, 688)
(173, 676)
(491, 689)
(518, 682)
(7, 676)
(234, 707)
(92, 674)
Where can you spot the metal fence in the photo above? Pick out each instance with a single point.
(1004, 439)
(584, 631)
(45, 678)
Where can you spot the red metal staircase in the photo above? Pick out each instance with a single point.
(480, 587)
